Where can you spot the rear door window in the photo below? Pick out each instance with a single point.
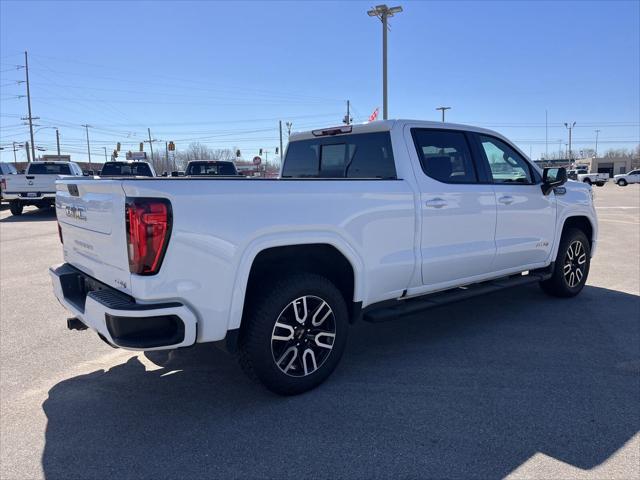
(445, 155)
(364, 155)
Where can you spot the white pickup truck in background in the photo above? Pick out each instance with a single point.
(598, 179)
(367, 222)
(37, 186)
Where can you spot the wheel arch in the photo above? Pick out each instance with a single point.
(328, 256)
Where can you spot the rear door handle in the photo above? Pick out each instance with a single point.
(506, 200)
(436, 203)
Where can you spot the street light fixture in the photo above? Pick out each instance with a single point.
(57, 136)
(383, 13)
(443, 109)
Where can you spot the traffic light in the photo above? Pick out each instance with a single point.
(115, 153)
(142, 146)
(260, 152)
(238, 153)
(172, 147)
(118, 146)
(277, 150)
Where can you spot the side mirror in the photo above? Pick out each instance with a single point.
(553, 177)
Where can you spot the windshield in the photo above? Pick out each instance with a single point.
(126, 170)
(49, 169)
(211, 169)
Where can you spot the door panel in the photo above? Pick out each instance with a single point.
(526, 219)
(458, 213)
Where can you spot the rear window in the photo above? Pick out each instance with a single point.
(49, 169)
(126, 170)
(211, 168)
(365, 155)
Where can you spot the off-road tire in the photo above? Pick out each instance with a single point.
(256, 354)
(561, 283)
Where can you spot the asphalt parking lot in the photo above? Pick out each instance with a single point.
(515, 384)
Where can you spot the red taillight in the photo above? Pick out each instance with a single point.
(3, 183)
(148, 231)
(60, 233)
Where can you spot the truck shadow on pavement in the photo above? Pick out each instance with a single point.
(32, 215)
(471, 390)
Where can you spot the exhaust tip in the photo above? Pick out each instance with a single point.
(75, 324)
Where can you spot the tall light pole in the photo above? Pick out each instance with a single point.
(16, 146)
(86, 126)
(597, 132)
(570, 128)
(57, 136)
(443, 109)
(383, 13)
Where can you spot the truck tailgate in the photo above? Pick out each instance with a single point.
(91, 214)
(31, 183)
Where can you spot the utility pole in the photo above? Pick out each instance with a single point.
(166, 152)
(597, 132)
(150, 143)
(26, 146)
(58, 141)
(443, 109)
(546, 134)
(86, 126)
(105, 154)
(570, 128)
(281, 152)
(26, 69)
(383, 13)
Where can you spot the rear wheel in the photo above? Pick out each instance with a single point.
(294, 335)
(622, 182)
(600, 184)
(587, 181)
(571, 267)
(16, 207)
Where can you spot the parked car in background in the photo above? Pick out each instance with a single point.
(626, 178)
(5, 169)
(38, 185)
(211, 168)
(127, 168)
(367, 222)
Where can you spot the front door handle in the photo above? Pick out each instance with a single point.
(436, 203)
(506, 200)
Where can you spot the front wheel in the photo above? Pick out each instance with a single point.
(16, 207)
(294, 334)
(587, 181)
(571, 267)
(622, 182)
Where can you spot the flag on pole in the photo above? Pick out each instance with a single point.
(374, 115)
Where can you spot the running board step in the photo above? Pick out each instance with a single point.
(418, 304)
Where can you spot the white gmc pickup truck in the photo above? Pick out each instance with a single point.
(366, 222)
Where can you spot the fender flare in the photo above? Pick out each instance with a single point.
(561, 223)
(285, 239)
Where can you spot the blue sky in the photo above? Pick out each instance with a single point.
(224, 73)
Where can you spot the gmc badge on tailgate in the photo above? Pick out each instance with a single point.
(73, 190)
(79, 213)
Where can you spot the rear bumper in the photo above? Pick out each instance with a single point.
(24, 196)
(118, 318)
